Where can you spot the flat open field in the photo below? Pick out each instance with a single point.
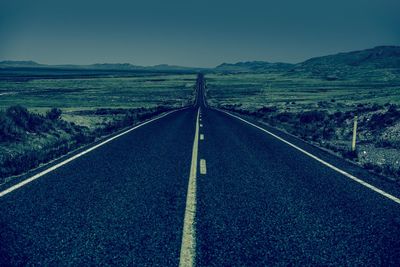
(105, 92)
(87, 108)
(322, 112)
(73, 95)
(258, 90)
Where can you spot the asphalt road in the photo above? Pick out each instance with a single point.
(259, 202)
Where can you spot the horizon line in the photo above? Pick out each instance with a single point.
(184, 66)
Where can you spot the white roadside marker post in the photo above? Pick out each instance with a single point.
(353, 144)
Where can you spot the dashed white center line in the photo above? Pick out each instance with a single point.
(201, 136)
(201, 125)
(203, 167)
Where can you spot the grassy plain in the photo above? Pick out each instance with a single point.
(91, 107)
(98, 92)
(321, 111)
(255, 90)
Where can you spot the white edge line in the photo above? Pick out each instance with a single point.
(58, 165)
(358, 180)
(188, 246)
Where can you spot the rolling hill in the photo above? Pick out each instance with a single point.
(381, 57)
(95, 67)
(331, 66)
(253, 66)
(377, 57)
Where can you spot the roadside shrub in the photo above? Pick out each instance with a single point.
(19, 115)
(325, 128)
(393, 110)
(17, 120)
(384, 169)
(341, 117)
(327, 132)
(384, 143)
(267, 109)
(9, 130)
(390, 171)
(350, 154)
(54, 114)
(323, 104)
(82, 138)
(368, 166)
(61, 136)
(388, 118)
(332, 147)
(312, 116)
(284, 116)
(38, 123)
(368, 108)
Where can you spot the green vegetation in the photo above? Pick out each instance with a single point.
(28, 139)
(104, 92)
(67, 106)
(298, 91)
(321, 111)
(42, 119)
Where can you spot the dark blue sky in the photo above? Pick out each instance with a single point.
(192, 33)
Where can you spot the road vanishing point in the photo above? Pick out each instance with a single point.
(200, 186)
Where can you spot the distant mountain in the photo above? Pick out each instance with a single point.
(351, 64)
(19, 64)
(162, 67)
(330, 67)
(253, 66)
(97, 66)
(109, 66)
(378, 57)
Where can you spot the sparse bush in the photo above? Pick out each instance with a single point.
(83, 138)
(361, 108)
(377, 168)
(383, 143)
(38, 123)
(327, 132)
(339, 116)
(312, 116)
(388, 118)
(8, 129)
(54, 114)
(284, 116)
(19, 115)
(16, 121)
(368, 166)
(350, 154)
(325, 128)
(267, 110)
(390, 171)
(323, 104)
(393, 110)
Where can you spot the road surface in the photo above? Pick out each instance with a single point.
(201, 187)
